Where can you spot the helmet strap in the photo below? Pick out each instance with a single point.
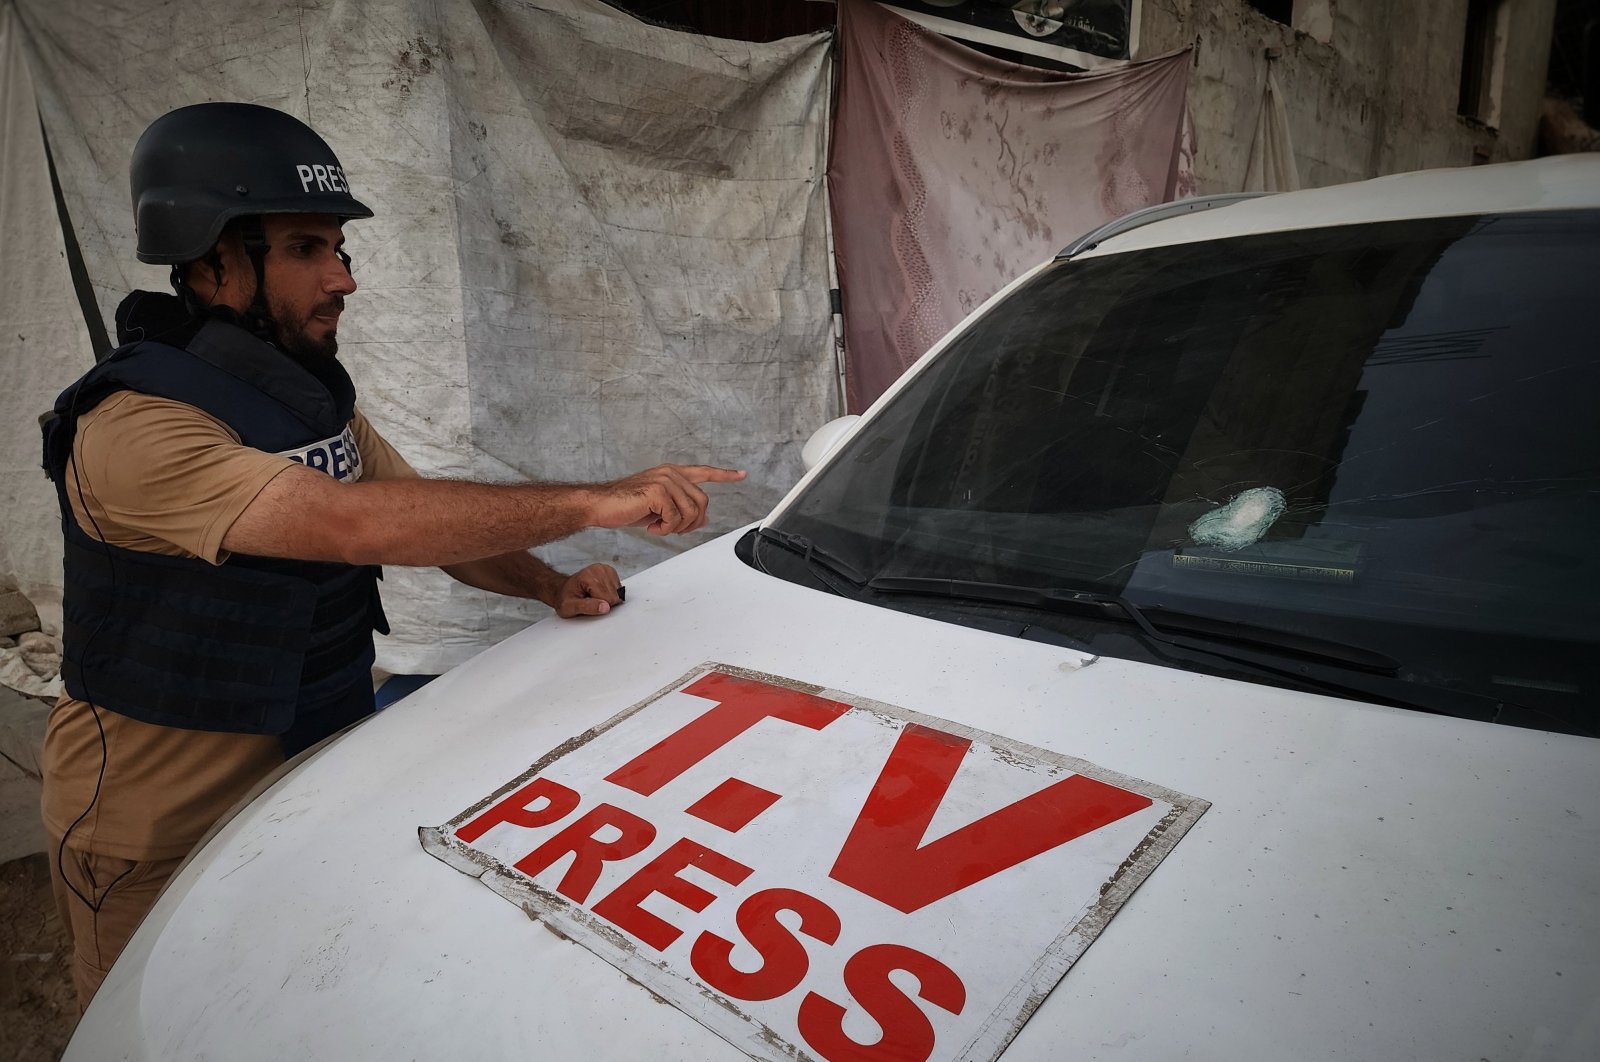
(191, 301)
(255, 246)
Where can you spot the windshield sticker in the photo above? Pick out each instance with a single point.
(814, 875)
(1241, 522)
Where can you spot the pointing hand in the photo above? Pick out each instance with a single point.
(665, 500)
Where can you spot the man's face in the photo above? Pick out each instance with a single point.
(306, 281)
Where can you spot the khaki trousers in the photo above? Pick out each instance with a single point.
(120, 893)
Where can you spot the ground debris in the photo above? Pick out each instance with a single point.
(38, 1007)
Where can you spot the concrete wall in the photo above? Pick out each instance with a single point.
(1378, 95)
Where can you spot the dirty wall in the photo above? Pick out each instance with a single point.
(598, 245)
(1369, 86)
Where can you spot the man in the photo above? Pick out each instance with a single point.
(225, 509)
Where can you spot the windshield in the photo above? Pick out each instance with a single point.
(1381, 435)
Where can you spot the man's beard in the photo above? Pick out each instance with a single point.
(293, 334)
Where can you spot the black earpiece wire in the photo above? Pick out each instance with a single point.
(88, 696)
(94, 906)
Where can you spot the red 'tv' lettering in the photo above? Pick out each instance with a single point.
(742, 704)
(884, 856)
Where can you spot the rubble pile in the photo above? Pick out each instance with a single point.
(30, 659)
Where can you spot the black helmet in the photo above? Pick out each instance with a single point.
(197, 167)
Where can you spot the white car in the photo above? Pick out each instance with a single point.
(1193, 656)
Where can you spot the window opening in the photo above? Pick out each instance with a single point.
(1480, 61)
(1277, 10)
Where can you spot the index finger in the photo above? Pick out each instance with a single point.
(711, 473)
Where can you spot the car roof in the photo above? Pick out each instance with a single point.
(1562, 182)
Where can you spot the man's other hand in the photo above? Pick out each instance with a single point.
(591, 592)
(665, 500)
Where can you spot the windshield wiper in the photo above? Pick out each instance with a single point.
(1161, 624)
(1321, 664)
(815, 557)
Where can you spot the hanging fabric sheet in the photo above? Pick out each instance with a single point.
(952, 172)
(599, 244)
(1271, 167)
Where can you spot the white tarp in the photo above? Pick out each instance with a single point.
(599, 245)
(41, 335)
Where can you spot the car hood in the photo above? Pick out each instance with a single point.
(1367, 882)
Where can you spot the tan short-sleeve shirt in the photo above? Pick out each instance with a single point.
(159, 476)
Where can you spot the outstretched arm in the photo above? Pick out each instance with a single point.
(306, 515)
